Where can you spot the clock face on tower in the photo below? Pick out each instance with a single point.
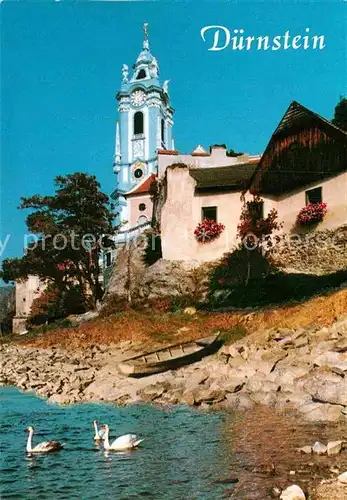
(137, 98)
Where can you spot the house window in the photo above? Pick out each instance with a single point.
(313, 195)
(142, 207)
(138, 123)
(209, 213)
(141, 74)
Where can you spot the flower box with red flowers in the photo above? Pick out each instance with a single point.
(312, 213)
(208, 230)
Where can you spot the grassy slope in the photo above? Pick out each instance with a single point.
(152, 328)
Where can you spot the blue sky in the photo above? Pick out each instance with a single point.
(61, 68)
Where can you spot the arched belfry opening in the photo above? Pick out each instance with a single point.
(138, 123)
(141, 74)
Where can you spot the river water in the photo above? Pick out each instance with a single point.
(182, 455)
(185, 455)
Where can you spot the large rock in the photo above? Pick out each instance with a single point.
(287, 374)
(324, 386)
(319, 412)
(333, 360)
(264, 398)
(210, 396)
(319, 448)
(239, 401)
(334, 447)
(293, 492)
(131, 277)
(197, 378)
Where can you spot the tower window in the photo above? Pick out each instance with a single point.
(138, 123)
(162, 130)
(138, 173)
(141, 74)
(142, 207)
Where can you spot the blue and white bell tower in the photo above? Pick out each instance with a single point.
(144, 126)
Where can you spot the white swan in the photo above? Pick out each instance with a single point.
(44, 447)
(126, 442)
(99, 435)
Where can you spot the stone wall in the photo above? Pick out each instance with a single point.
(319, 252)
(133, 280)
(26, 292)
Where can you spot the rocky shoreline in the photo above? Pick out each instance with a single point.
(303, 370)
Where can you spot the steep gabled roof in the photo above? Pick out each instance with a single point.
(298, 115)
(143, 188)
(296, 120)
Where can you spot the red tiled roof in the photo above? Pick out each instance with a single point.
(144, 187)
(167, 152)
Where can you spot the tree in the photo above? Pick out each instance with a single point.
(340, 115)
(256, 233)
(71, 229)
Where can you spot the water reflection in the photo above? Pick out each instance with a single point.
(265, 445)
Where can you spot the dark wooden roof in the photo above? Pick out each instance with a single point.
(304, 148)
(297, 116)
(223, 178)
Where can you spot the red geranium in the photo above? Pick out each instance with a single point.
(208, 230)
(312, 213)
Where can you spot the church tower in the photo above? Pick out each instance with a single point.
(144, 126)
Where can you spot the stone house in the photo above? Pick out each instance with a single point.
(304, 162)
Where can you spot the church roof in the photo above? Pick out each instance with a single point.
(144, 187)
(234, 176)
(167, 152)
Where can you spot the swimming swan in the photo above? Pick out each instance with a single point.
(99, 435)
(44, 447)
(122, 443)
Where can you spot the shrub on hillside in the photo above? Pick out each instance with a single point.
(254, 228)
(240, 266)
(54, 304)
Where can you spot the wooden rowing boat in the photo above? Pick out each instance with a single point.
(169, 358)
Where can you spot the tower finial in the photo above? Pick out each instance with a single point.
(145, 39)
